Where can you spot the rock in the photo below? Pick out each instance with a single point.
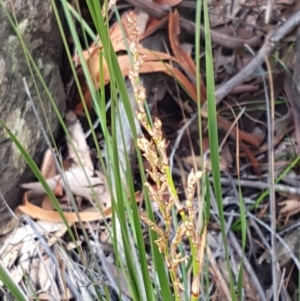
(40, 33)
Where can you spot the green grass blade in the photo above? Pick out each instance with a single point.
(213, 137)
(10, 284)
(38, 174)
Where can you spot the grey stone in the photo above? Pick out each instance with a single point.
(40, 33)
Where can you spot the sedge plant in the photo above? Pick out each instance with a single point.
(160, 279)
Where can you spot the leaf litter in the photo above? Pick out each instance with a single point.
(38, 248)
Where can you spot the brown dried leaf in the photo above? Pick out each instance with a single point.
(289, 207)
(183, 57)
(153, 61)
(44, 296)
(180, 54)
(197, 159)
(80, 156)
(36, 212)
(46, 204)
(78, 184)
(48, 168)
(142, 19)
(152, 26)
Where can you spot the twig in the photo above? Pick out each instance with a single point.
(7, 206)
(269, 9)
(258, 60)
(97, 122)
(289, 229)
(179, 137)
(221, 39)
(261, 185)
(239, 252)
(105, 265)
(294, 99)
(237, 118)
(7, 241)
(259, 232)
(218, 273)
(47, 250)
(270, 119)
(271, 178)
(248, 267)
(280, 239)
